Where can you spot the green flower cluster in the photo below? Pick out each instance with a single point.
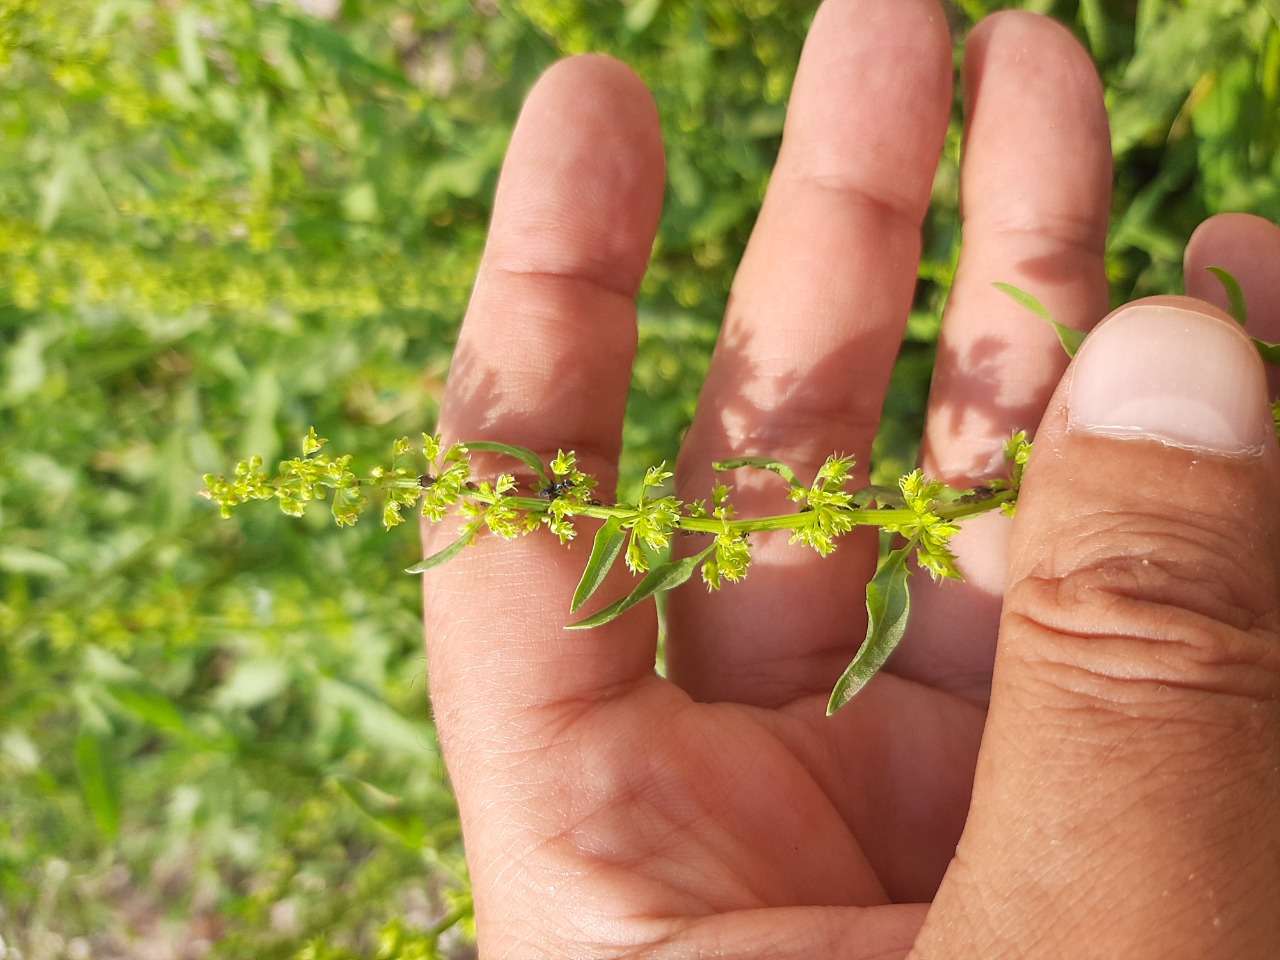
(652, 520)
(439, 481)
(828, 506)
(732, 552)
(925, 527)
(297, 483)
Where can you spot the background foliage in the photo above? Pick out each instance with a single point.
(222, 221)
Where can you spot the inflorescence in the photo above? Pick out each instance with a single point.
(924, 512)
(438, 481)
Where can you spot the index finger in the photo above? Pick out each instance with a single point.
(543, 361)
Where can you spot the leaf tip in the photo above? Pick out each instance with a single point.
(1236, 305)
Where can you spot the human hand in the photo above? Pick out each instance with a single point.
(1132, 738)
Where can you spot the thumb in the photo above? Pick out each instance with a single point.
(1127, 800)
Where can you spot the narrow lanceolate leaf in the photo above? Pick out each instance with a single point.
(99, 780)
(1270, 351)
(760, 463)
(608, 544)
(525, 455)
(662, 577)
(150, 706)
(385, 810)
(445, 555)
(1070, 339)
(888, 603)
(1235, 296)
(1239, 311)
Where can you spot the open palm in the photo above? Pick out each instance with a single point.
(611, 812)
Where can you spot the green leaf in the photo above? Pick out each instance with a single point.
(99, 780)
(252, 682)
(1095, 26)
(640, 14)
(447, 554)
(1239, 310)
(1071, 339)
(1235, 296)
(187, 39)
(1270, 351)
(312, 39)
(760, 463)
(20, 560)
(665, 576)
(377, 722)
(888, 603)
(384, 809)
(150, 706)
(608, 544)
(360, 202)
(66, 169)
(523, 454)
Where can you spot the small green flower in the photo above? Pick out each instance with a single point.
(930, 532)
(311, 443)
(828, 506)
(730, 560)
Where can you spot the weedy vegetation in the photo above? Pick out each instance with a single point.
(221, 223)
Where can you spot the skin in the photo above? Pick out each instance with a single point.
(609, 812)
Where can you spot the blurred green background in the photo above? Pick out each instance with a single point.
(223, 221)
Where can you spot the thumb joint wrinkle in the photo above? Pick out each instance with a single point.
(1137, 630)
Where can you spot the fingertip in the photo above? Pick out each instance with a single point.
(596, 88)
(1248, 247)
(581, 189)
(863, 60)
(544, 355)
(1026, 25)
(1049, 91)
(1231, 233)
(1175, 372)
(1015, 34)
(922, 19)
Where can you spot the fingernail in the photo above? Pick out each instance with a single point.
(1173, 375)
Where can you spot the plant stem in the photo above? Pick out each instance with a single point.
(859, 516)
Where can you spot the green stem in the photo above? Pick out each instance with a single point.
(859, 516)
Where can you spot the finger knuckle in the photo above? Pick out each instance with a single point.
(1172, 610)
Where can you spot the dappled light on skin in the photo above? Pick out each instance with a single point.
(224, 222)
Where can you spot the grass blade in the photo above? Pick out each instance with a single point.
(1070, 339)
(888, 603)
(1235, 296)
(662, 577)
(605, 550)
(760, 463)
(523, 454)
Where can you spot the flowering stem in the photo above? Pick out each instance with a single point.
(858, 516)
(926, 513)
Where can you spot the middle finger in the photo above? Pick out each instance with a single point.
(812, 327)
